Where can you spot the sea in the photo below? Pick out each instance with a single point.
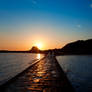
(78, 68)
(11, 64)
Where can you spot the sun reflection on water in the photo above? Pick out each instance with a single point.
(38, 56)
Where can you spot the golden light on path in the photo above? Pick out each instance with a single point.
(38, 56)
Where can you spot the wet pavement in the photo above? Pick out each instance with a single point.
(44, 76)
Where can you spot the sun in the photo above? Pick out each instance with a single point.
(39, 45)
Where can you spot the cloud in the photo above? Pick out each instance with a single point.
(91, 5)
(34, 2)
(79, 26)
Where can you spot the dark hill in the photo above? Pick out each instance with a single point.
(78, 47)
(34, 49)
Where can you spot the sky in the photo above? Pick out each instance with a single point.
(53, 23)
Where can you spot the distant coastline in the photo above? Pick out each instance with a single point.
(80, 47)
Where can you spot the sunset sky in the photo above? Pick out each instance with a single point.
(53, 23)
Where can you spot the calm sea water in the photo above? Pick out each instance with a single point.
(78, 70)
(13, 63)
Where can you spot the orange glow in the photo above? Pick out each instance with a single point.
(39, 45)
(43, 42)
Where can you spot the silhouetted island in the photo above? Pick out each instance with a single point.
(35, 50)
(78, 47)
(74, 48)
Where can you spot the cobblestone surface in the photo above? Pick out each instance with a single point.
(44, 76)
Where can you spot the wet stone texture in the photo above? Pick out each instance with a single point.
(44, 76)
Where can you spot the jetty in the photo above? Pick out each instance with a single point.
(45, 75)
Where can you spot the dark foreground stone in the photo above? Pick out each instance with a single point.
(44, 76)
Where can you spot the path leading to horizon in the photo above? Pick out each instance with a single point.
(44, 76)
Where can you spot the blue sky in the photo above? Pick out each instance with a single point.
(56, 21)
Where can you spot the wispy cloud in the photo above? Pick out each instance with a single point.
(91, 5)
(79, 26)
(34, 2)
